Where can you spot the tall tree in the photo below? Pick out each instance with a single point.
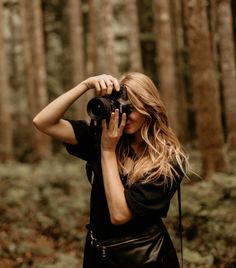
(106, 55)
(44, 147)
(90, 40)
(205, 88)
(76, 40)
(165, 59)
(133, 36)
(33, 45)
(178, 37)
(29, 73)
(213, 30)
(227, 65)
(77, 51)
(6, 133)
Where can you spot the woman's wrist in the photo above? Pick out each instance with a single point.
(108, 151)
(82, 87)
(108, 155)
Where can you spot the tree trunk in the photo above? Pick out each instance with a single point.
(165, 60)
(227, 65)
(106, 56)
(91, 40)
(29, 80)
(33, 46)
(44, 146)
(213, 30)
(133, 36)
(76, 40)
(6, 133)
(77, 53)
(182, 109)
(205, 88)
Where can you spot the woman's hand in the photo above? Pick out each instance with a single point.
(112, 131)
(103, 84)
(119, 210)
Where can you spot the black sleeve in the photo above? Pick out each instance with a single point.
(85, 148)
(150, 199)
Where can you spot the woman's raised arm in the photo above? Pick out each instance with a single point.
(50, 121)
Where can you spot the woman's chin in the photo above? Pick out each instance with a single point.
(128, 130)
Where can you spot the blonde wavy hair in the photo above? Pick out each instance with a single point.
(162, 156)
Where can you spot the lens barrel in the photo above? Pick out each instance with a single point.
(100, 108)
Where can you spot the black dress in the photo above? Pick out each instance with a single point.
(149, 202)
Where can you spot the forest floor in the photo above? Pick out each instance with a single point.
(44, 209)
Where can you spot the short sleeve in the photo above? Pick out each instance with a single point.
(150, 199)
(85, 148)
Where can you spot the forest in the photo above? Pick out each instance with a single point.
(47, 47)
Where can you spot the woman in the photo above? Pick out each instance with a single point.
(138, 164)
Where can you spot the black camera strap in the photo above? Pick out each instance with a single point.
(180, 224)
(95, 134)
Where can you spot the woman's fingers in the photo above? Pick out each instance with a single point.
(104, 125)
(111, 124)
(117, 124)
(116, 119)
(123, 121)
(112, 131)
(97, 87)
(106, 83)
(114, 82)
(103, 84)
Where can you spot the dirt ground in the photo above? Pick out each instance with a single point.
(44, 208)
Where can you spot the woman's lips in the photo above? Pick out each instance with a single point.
(127, 125)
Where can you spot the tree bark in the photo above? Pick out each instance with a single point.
(91, 40)
(29, 70)
(133, 36)
(6, 133)
(213, 30)
(76, 37)
(227, 65)
(106, 56)
(165, 60)
(76, 40)
(33, 46)
(205, 88)
(178, 40)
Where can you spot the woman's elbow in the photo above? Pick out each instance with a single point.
(37, 123)
(121, 218)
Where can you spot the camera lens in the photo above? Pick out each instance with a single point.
(99, 108)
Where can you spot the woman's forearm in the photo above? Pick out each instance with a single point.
(114, 189)
(55, 110)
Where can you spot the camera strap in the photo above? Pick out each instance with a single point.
(95, 134)
(180, 224)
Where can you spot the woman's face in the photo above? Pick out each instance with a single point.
(135, 120)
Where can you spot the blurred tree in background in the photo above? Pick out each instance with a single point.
(187, 47)
(205, 87)
(6, 134)
(227, 66)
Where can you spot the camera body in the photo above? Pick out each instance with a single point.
(101, 107)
